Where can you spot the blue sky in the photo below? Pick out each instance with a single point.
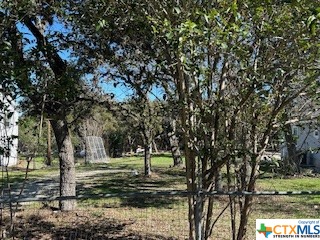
(120, 92)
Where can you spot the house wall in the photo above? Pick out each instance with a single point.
(8, 133)
(308, 139)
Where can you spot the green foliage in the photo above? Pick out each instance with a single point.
(31, 141)
(248, 48)
(271, 165)
(235, 67)
(229, 67)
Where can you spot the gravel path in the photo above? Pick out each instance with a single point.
(48, 186)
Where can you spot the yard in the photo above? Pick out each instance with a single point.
(124, 214)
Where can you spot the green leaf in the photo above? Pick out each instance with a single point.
(206, 17)
(166, 23)
(313, 28)
(224, 45)
(311, 24)
(213, 13)
(154, 29)
(310, 20)
(183, 59)
(8, 44)
(169, 35)
(177, 10)
(190, 24)
(234, 8)
(101, 24)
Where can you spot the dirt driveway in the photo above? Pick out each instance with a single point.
(48, 186)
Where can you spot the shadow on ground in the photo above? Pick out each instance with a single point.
(123, 184)
(48, 225)
(103, 181)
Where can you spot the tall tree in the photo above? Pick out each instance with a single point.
(171, 128)
(47, 74)
(234, 68)
(231, 67)
(143, 114)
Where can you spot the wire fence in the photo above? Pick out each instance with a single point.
(143, 214)
(146, 215)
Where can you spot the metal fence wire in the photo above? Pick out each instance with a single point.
(147, 215)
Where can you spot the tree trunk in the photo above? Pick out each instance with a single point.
(244, 216)
(155, 146)
(291, 161)
(147, 160)
(67, 167)
(191, 187)
(49, 157)
(174, 144)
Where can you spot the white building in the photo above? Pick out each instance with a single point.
(8, 132)
(305, 126)
(308, 142)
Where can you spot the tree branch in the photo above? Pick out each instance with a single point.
(57, 64)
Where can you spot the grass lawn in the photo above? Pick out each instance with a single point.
(153, 217)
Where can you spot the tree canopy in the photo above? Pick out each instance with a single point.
(229, 68)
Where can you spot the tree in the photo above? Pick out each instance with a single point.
(291, 163)
(52, 84)
(232, 87)
(145, 119)
(230, 67)
(174, 142)
(122, 56)
(30, 141)
(171, 132)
